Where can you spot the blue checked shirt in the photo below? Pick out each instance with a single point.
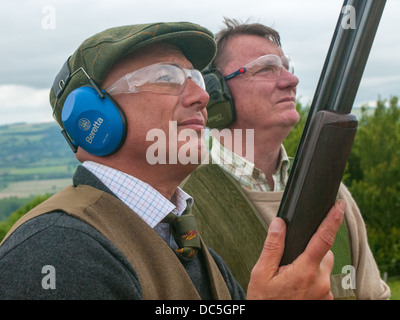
(142, 198)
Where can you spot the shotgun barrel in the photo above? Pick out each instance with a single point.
(330, 128)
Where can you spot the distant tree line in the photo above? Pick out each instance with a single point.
(11, 204)
(6, 225)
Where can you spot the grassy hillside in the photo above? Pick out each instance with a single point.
(34, 159)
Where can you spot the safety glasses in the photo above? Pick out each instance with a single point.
(161, 78)
(268, 67)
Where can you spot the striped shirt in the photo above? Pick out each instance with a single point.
(246, 173)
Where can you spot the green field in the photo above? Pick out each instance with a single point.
(49, 169)
(24, 189)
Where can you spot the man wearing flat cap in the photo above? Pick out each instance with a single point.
(124, 229)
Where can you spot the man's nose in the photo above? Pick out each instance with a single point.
(194, 96)
(287, 79)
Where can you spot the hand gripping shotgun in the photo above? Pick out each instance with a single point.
(330, 128)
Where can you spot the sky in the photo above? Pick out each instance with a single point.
(38, 36)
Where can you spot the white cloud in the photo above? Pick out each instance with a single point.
(374, 81)
(24, 104)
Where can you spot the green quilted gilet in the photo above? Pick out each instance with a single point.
(230, 224)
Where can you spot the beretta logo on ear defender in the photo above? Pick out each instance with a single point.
(95, 128)
(84, 124)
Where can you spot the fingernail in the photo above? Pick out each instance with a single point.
(275, 226)
(341, 205)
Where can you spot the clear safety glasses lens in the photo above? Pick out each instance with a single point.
(161, 78)
(268, 67)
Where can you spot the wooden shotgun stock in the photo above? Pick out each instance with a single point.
(330, 128)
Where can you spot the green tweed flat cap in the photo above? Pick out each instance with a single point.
(100, 52)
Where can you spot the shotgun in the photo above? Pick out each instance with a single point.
(330, 128)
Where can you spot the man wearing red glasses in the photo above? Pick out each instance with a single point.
(258, 88)
(124, 229)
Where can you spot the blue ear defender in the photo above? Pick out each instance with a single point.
(92, 119)
(93, 122)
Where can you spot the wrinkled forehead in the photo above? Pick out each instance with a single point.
(151, 54)
(243, 49)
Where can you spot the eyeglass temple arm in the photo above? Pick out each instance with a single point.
(236, 73)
